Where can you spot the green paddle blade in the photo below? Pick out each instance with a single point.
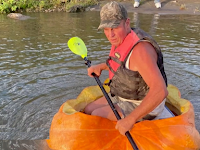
(77, 46)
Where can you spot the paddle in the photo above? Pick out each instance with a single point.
(77, 46)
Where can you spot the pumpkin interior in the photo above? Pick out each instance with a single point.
(71, 129)
(88, 95)
(174, 102)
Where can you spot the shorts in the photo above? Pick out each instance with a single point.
(127, 107)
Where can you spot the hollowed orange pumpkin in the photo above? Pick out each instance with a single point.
(73, 130)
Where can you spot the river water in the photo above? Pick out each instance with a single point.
(38, 72)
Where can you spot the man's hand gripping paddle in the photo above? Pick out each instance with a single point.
(77, 46)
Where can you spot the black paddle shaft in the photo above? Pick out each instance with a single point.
(128, 135)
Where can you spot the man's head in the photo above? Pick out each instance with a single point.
(111, 15)
(115, 22)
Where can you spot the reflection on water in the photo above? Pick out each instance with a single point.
(153, 25)
(38, 72)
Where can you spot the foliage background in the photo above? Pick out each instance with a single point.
(8, 6)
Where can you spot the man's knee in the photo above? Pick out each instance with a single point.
(88, 109)
(105, 114)
(97, 112)
(95, 105)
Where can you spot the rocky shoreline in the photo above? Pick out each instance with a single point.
(191, 7)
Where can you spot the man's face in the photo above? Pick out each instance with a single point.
(116, 35)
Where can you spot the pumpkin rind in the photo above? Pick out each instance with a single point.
(74, 130)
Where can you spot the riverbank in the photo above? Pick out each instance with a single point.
(168, 7)
(146, 6)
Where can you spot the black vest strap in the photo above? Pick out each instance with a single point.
(114, 59)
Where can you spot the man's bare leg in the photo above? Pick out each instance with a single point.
(96, 104)
(106, 112)
(101, 108)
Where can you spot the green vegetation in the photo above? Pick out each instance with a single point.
(84, 3)
(7, 6)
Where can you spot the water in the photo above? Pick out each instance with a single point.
(38, 72)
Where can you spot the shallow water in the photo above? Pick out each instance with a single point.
(38, 72)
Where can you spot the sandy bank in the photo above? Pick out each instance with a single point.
(191, 7)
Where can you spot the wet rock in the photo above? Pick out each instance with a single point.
(18, 16)
(76, 8)
(90, 9)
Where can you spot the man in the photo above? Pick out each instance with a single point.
(138, 81)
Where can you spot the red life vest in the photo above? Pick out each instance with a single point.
(124, 82)
(122, 51)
